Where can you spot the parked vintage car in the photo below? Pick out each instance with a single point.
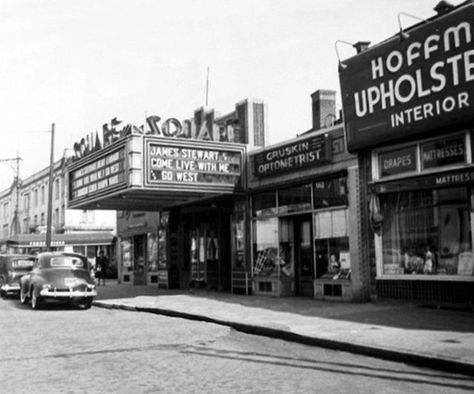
(12, 268)
(60, 276)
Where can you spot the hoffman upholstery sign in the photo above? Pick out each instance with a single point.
(406, 86)
(189, 163)
(298, 155)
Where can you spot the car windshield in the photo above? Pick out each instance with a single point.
(22, 264)
(67, 261)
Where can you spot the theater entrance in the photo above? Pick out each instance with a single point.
(208, 249)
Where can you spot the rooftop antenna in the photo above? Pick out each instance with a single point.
(207, 87)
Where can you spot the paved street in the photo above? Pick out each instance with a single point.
(101, 350)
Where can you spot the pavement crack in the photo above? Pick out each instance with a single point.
(161, 347)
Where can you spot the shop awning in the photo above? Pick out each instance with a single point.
(83, 238)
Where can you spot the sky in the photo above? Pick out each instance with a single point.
(80, 63)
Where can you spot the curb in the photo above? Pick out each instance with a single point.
(412, 358)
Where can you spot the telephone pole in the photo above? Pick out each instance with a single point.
(50, 193)
(15, 165)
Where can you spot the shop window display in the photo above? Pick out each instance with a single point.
(427, 232)
(273, 248)
(285, 258)
(127, 257)
(152, 252)
(333, 258)
(238, 236)
(265, 246)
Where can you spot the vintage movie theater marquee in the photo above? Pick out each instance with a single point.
(176, 163)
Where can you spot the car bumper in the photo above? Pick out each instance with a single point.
(9, 289)
(54, 293)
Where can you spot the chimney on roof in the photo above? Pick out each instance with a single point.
(324, 108)
(443, 7)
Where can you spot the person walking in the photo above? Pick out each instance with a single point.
(101, 264)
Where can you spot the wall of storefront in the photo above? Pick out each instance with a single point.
(137, 246)
(423, 246)
(414, 140)
(305, 233)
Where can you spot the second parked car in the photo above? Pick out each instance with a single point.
(12, 268)
(58, 276)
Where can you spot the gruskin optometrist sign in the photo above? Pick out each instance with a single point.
(298, 155)
(404, 87)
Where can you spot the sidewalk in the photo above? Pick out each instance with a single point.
(436, 338)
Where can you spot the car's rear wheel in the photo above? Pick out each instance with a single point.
(35, 300)
(23, 296)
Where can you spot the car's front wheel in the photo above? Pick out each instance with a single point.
(87, 303)
(3, 294)
(23, 296)
(35, 300)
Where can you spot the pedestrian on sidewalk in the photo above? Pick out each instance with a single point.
(101, 266)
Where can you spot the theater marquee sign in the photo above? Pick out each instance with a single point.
(103, 172)
(147, 172)
(405, 86)
(193, 164)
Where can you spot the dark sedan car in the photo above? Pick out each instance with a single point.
(12, 268)
(59, 276)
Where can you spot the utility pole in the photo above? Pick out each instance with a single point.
(50, 192)
(15, 165)
(207, 87)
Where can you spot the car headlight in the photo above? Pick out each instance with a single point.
(89, 286)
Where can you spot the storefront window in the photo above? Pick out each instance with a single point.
(265, 247)
(330, 193)
(333, 258)
(79, 249)
(294, 199)
(264, 203)
(427, 232)
(162, 253)
(238, 235)
(285, 260)
(152, 253)
(127, 256)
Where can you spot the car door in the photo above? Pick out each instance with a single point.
(26, 279)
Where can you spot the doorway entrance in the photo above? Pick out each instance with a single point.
(304, 267)
(139, 259)
(209, 254)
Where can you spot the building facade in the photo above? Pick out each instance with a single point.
(179, 190)
(212, 209)
(305, 205)
(24, 218)
(409, 115)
